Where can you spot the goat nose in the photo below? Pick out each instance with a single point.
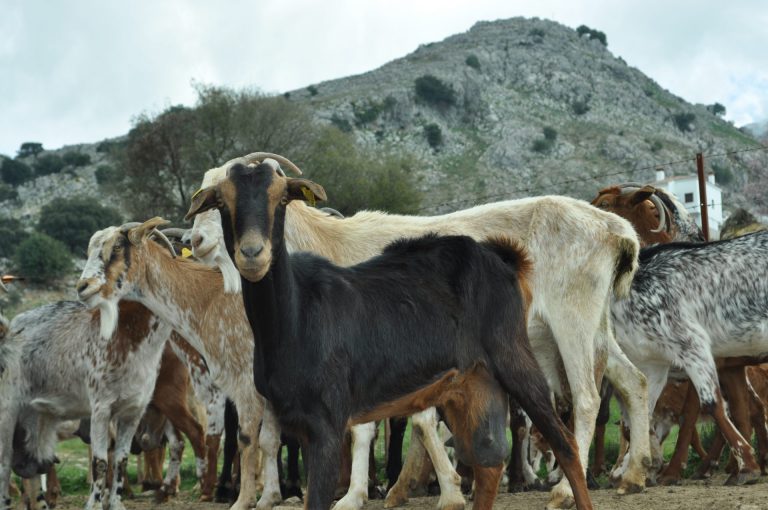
(251, 251)
(197, 240)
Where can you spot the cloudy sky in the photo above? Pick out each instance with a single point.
(79, 70)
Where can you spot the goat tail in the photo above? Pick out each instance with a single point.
(626, 266)
(513, 254)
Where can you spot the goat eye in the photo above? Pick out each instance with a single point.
(284, 201)
(603, 205)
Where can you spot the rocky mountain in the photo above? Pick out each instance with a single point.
(508, 109)
(537, 108)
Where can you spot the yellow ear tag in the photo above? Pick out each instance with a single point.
(309, 196)
(197, 193)
(186, 252)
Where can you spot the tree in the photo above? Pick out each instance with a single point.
(29, 149)
(12, 234)
(41, 258)
(15, 172)
(76, 159)
(433, 91)
(357, 179)
(717, 109)
(165, 155)
(48, 164)
(73, 220)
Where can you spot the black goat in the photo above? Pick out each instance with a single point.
(431, 321)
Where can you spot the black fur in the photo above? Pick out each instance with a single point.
(334, 342)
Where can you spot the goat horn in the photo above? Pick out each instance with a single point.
(663, 224)
(174, 232)
(629, 184)
(165, 241)
(2, 285)
(125, 227)
(259, 157)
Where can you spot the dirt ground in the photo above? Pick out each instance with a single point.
(693, 495)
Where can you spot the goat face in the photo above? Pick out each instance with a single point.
(641, 207)
(107, 275)
(207, 240)
(252, 201)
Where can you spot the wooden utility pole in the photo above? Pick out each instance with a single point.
(702, 195)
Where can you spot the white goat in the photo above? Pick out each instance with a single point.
(582, 256)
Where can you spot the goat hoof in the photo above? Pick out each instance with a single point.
(669, 480)
(164, 493)
(630, 488)
(562, 502)
(526, 487)
(395, 499)
(592, 482)
(743, 478)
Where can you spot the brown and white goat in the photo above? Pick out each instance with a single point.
(64, 369)
(569, 317)
(190, 298)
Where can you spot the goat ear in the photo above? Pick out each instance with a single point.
(304, 189)
(203, 200)
(137, 234)
(642, 194)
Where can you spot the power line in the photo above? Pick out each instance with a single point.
(529, 189)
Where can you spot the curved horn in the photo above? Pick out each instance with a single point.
(165, 241)
(664, 223)
(2, 285)
(258, 157)
(275, 166)
(125, 227)
(176, 233)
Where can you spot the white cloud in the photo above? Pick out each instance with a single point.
(78, 71)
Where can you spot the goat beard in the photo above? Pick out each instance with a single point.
(108, 322)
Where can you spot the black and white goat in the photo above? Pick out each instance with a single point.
(433, 320)
(690, 304)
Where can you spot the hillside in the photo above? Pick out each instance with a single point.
(511, 79)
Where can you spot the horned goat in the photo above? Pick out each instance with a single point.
(569, 317)
(312, 320)
(190, 298)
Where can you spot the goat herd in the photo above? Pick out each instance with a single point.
(311, 323)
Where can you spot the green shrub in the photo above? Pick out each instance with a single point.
(717, 109)
(48, 164)
(312, 90)
(473, 62)
(73, 221)
(434, 135)
(545, 144)
(12, 234)
(683, 121)
(433, 91)
(29, 149)
(537, 34)
(7, 193)
(656, 146)
(76, 159)
(580, 106)
(107, 174)
(15, 172)
(341, 123)
(723, 174)
(367, 112)
(40, 258)
(592, 33)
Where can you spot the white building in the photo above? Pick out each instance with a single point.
(686, 190)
